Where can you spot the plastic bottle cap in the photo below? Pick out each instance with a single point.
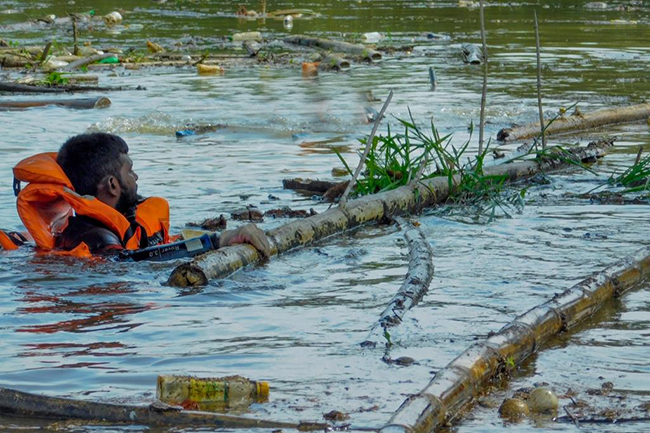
(263, 389)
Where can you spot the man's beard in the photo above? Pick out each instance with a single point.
(128, 199)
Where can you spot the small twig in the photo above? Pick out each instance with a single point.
(485, 73)
(371, 138)
(46, 52)
(572, 416)
(75, 35)
(638, 155)
(539, 83)
(423, 164)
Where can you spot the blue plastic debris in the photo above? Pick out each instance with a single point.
(185, 133)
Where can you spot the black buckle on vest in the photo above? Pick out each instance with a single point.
(16, 187)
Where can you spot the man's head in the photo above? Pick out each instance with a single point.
(98, 164)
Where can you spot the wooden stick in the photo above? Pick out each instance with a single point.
(457, 385)
(579, 122)
(225, 261)
(369, 142)
(485, 74)
(539, 83)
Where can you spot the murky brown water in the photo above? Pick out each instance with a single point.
(104, 331)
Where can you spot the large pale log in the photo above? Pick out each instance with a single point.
(26, 405)
(372, 208)
(578, 122)
(456, 385)
(79, 104)
(336, 46)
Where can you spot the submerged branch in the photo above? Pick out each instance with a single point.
(415, 285)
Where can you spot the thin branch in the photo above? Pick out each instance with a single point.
(539, 82)
(485, 72)
(371, 138)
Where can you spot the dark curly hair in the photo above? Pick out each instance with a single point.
(88, 158)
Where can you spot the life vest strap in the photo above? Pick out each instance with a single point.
(16, 187)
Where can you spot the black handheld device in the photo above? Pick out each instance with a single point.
(177, 250)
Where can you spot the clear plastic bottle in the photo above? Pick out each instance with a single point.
(213, 393)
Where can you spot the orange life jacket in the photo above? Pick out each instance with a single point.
(49, 200)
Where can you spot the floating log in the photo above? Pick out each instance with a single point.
(318, 186)
(456, 385)
(222, 262)
(578, 122)
(26, 405)
(6, 86)
(415, 285)
(78, 104)
(338, 46)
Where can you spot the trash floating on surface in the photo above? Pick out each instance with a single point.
(154, 47)
(113, 18)
(471, 54)
(542, 400)
(208, 70)
(288, 22)
(372, 37)
(310, 69)
(210, 393)
(514, 409)
(247, 36)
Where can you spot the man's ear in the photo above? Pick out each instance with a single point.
(112, 186)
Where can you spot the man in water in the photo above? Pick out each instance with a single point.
(98, 165)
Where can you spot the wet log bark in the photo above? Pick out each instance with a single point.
(338, 46)
(26, 405)
(373, 208)
(456, 385)
(578, 122)
(415, 285)
(79, 104)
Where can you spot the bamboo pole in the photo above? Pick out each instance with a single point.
(485, 74)
(456, 385)
(26, 405)
(79, 104)
(539, 83)
(338, 46)
(579, 122)
(415, 285)
(225, 261)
